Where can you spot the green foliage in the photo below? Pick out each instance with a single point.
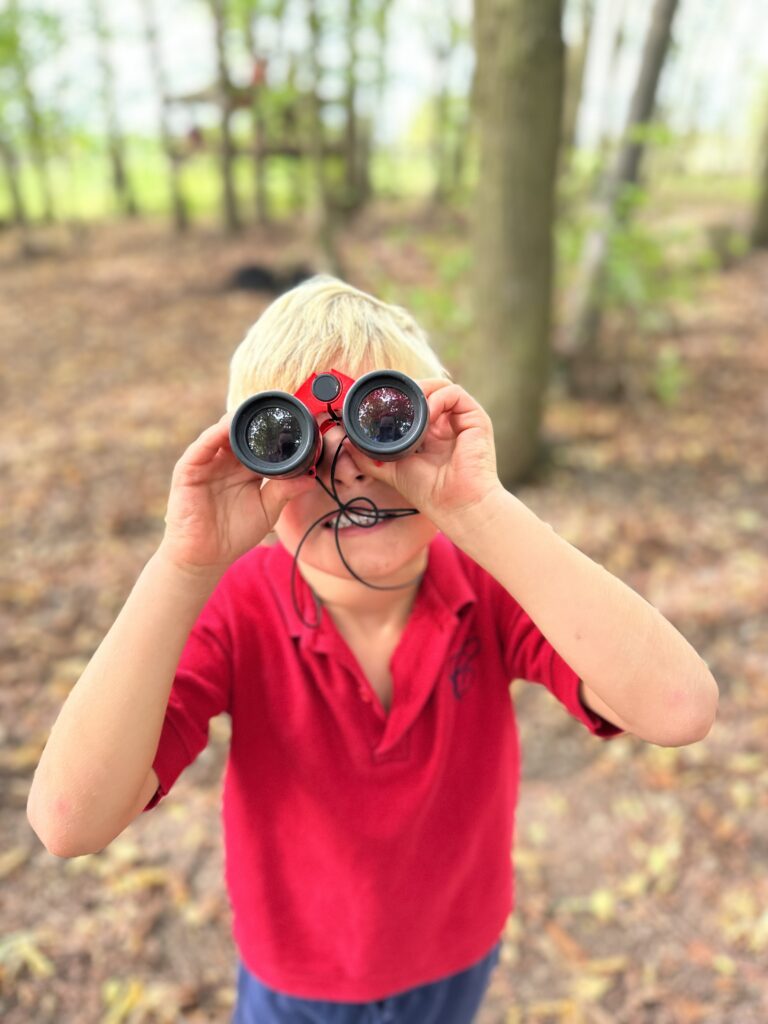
(670, 376)
(653, 133)
(649, 265)
(443, 304)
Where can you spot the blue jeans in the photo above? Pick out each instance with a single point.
(452, 1000)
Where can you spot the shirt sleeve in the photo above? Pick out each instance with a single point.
(529, 655)
(201, 690)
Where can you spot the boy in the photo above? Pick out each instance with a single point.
(372, 777)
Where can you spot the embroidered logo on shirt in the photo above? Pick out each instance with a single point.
(463, 670)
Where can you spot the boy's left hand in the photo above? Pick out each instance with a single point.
(454, 466)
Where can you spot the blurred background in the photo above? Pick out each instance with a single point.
(572, 198)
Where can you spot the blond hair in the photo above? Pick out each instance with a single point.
(326, 324)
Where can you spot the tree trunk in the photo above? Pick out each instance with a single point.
(351, 143)
(180, 208)
(618, 42)
(258, 121)
(34, 121)
(232, 220)
(583, 323)
(325, 226)
(447, 140)
(517, 100)
(381, 28)
(644, 98)
(124, 194)
(10, 162)
(381, 25)
(760, 223)
(576, 63)
(440, 128)
(294, 130)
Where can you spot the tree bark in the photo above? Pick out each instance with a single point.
(38, 143)
(258, 122)
(232, 221)
(124, 194)
(760, 223)
(517, 98)
(644, 97)
(580, 338)
(576, 63)
(447, 140)
(325, 223)
(151, 34)
(10, 162)
(351, 144)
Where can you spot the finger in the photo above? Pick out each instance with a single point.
(442, 427)
(455, 402)
(204, 449)
(276, 493)
(431, 384)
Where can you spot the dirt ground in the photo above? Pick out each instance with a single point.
(641, 871)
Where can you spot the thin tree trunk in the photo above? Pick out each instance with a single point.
(258, 83)
(325, 228)
(760, 223)
(351, 145)
(576, 64)
(381, 25)
(294, 130)
(34, 122)
(612, 70)
(10, 162)
(517, 99)
(441, 118)
(124, 194)
(151, 34)
(446, 140)
(644, 98)
(381, 28)
(583, 323)
(232, 221)
(364, 150)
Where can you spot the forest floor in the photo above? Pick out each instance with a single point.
(641, 870)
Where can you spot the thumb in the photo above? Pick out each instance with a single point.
(276, 493)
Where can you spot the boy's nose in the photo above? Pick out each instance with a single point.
(346, 471)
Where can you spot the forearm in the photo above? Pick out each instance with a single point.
(103, 742)
(618, 643)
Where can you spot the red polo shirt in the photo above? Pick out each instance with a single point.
(366, 852)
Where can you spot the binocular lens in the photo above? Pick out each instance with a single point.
(385, 414)
(274, 434)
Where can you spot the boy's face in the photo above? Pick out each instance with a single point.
(387, 551)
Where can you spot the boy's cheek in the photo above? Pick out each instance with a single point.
(287, 524)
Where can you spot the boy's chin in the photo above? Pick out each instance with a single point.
(372, 566)
(376, 561)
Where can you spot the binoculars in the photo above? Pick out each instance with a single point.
(276, 434)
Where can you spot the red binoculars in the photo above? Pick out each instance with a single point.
(276, 434)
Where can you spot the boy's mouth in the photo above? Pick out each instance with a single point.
(363, 520)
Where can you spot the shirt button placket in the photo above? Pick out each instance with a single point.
(384, 1011)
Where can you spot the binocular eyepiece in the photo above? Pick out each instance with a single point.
(276, 434)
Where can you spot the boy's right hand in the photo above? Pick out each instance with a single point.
(217, 508)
